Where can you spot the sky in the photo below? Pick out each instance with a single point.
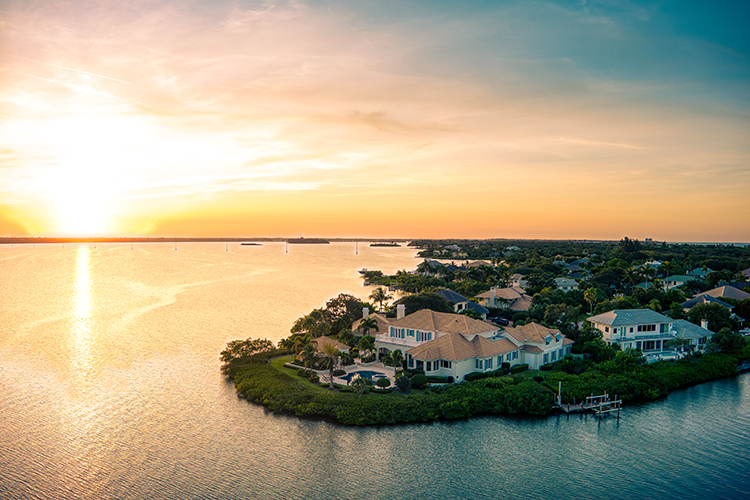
(382, 118)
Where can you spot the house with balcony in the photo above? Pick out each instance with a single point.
(425, 325)
(454, 356)
(646, 330)
(538, 345)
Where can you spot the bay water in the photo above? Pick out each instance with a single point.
(110, 388)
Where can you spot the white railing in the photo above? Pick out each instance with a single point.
(387, 339)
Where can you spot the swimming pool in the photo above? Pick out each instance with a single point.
(373, 376)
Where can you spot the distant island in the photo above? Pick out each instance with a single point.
(308, 241)
(251, 244)
(389, 244)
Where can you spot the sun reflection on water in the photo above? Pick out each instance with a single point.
(81, 358)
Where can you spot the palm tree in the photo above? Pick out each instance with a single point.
(590, 296)
(368, 324)
(380, 296)
(366, 343)
(397, 357)
(655, 305)
(630, 276)
(347, 337)
(308, 354)
(361, 385)
(331, 352)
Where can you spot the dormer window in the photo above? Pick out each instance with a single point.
(548, 339)
(558, 337)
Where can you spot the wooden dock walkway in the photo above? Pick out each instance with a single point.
(600, 405)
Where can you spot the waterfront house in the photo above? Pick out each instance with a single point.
(539, 345)
(697, 336)
(642, 329)
(425, 325)
(646, 330)
(381, 320)
(566, 284)
(455, 355)
(321, 341)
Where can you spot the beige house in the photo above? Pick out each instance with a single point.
(513, 298)
(539, 345)
(454, 355)
(381, 320)
(425, 325)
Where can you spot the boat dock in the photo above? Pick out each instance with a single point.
(600, 405)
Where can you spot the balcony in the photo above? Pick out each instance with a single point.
(384, 338)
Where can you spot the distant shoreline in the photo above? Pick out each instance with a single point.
(47, 240)
(20, 240)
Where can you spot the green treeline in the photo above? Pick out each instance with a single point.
(264, 384)
(625, 376)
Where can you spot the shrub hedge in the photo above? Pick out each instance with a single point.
(625, 376)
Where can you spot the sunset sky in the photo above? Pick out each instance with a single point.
(527, 119)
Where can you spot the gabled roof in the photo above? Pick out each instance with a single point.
(704, 299)
(323, 340)
(457, 298)
(383, 323)
(566, 282)
(531, 332)
(479, 263)
(510, 293)
(687, 330)
(679, 277)
(452, 296)
(620, 317)
(727, 291)
(455, 347)
(429, 320)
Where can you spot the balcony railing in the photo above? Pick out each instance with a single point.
(387, 339)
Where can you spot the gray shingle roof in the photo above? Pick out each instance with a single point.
(687, 330)
(620, 317)
(704, 299)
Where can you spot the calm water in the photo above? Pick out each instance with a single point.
(110, 388)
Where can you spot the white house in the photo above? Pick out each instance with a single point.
(455, 355)
(406, 332)
(566, 284)
(643, 329)
(539, 345)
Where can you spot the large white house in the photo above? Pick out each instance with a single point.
(454, 345)
(539, 345)
(646, 330)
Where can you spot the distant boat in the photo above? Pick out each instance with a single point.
(363, 270)
(252, 244)
(311, 241)
(391, 244)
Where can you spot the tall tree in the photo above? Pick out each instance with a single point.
(331, 353)
(380, 296)
(397, 358)
(368, 324)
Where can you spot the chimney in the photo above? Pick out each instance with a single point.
(492, 296)
(400, 311)
(365, 312)
(704, 324)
